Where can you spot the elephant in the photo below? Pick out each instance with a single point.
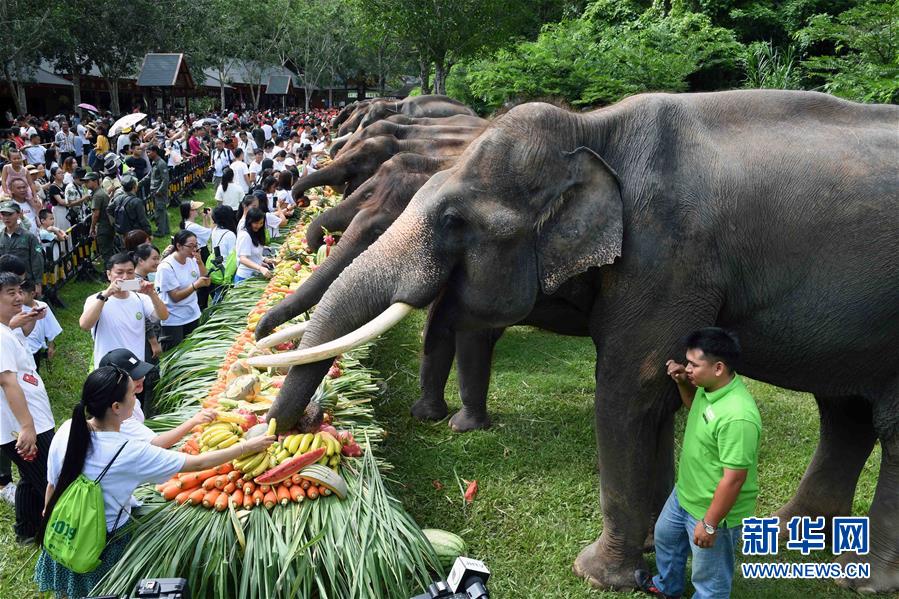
(770, 213)
(355, 116)
(394, 126)
(354, 168)
(344, 114)
(431, 105)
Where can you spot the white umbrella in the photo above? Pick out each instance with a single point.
(207, 120)
(129, 120)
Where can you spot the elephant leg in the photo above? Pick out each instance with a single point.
(432, 376)
(846, 440)
(474, 358)
(883, 558)
(634, 404)
(664, 472)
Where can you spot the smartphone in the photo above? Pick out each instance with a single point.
(129, 284)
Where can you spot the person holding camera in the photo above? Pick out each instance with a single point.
(115, 316)
(178, 279)
(92, 443)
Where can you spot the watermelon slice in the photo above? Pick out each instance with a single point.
(289, 467)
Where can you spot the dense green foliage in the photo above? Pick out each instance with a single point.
(617, 48)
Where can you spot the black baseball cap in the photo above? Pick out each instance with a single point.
(127, 361)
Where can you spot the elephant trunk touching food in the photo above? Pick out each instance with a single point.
(369, 297)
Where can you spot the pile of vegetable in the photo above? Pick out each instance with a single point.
(328, 527)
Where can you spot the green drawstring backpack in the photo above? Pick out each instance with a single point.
(225, 274)
(76, 533)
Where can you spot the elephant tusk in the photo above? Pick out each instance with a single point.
(380, 324)
(287, 334)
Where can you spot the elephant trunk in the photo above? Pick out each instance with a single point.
(333, 174)
(333, 219)
(397, 273)
(312, 290)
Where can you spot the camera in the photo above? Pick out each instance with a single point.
(155, 588)
(467, 580)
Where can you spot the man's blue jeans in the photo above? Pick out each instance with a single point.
(713, 568)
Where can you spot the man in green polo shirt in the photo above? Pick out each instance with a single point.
(717, 479)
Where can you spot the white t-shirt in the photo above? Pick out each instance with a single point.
(121, 141)
(170, 275)
(47, 328)
(134, 427)
(199, 230)
(272, 222)
(246, 248)
(121, 325)
(35, 154)
(255, 169)
(138, 463)
(15, 357)
(28, 213)
(225, 240)
(284, 195)
(240, 169)
(267, 130)
(230, 197)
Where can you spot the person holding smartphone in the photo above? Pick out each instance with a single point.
(115, 317)
(179, 276)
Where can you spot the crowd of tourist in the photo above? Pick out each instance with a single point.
(58, 173)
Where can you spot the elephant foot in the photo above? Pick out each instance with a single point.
(804, 507)
(425, 409)
(603, 570)
(464, 420)
(884, 576)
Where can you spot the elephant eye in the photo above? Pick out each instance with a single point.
(451, 220)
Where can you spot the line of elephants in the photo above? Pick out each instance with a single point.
(774, 214)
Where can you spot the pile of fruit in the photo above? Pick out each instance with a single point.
(331, 527)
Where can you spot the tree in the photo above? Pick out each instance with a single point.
(71, 43)
(861, 60)
(24, 35)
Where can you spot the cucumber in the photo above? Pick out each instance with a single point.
(447, 546)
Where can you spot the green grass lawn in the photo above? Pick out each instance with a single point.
(538, 503)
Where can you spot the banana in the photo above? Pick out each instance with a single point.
(261, 467)
(334, 461)
(272, 426)
(206, 437)
(305, 442)
(228, 442)
(331, 443)
(241, 463)
(293, 443)
(324, 460)
(253, 463)
(316, 442)
(217, 438)
(212, 428)
(283, 455)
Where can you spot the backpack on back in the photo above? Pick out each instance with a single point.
(76, 532)
(119, 214)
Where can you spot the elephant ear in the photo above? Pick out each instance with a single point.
(583, 226)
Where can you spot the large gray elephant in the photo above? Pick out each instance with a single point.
(396, 126)
(771, 213)
(355, 167)
(432, 105)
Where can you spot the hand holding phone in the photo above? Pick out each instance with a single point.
(129, 284)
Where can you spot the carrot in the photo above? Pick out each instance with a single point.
(239, 482)
(312, 492)
(221, 502)
(182, 496)
(286, 483)
(306, 484)
(258, 496)
(249, 487)
(210, 497)
(270, 500)
(324, 491)
(234, 475)
(224, 468)
(296, 479)
(297, 494)
(283, 495)
(195, 479)
(169, 492)
(229, 488)
(221, 480)
(209, 483)
(196, 497)
(237, 498)
(265, 488)
(248, 501)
